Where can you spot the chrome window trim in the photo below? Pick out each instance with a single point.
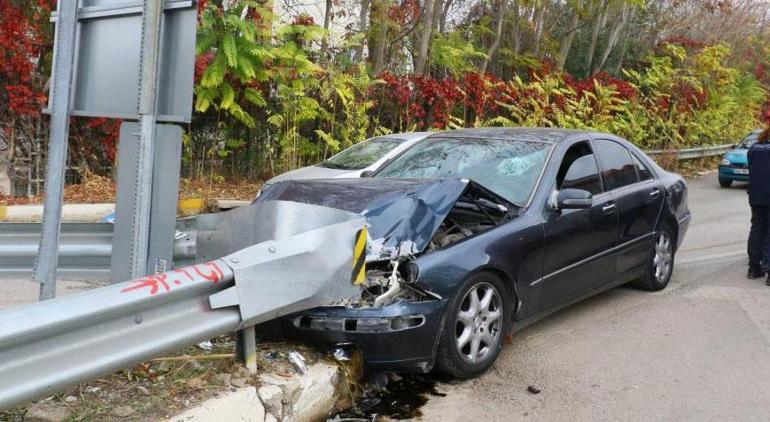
(590, 258)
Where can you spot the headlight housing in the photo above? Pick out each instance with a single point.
(725, 162)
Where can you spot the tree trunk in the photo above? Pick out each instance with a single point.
(498, 34)
(566, 42)
(444, 13)
(620, 22)
(538, 18)
(425, 35)
(599, 22)
(358, 53)
(516, 31)
(378, 33)
(325, 39)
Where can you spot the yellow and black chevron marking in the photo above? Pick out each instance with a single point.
(359, 257)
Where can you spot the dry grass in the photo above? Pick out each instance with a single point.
(95, 189)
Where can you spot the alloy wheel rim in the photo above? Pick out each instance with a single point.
(478, 323)
(662, 262)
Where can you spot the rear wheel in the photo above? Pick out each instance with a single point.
(725, 183)
(660, 264)
(476, 323)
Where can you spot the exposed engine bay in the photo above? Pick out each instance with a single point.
(389, 281)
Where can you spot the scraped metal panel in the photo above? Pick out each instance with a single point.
(224, 233)
(301, 258)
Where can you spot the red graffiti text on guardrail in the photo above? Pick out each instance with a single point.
(158, 283)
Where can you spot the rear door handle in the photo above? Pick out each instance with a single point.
(609, 208)
(655, 193)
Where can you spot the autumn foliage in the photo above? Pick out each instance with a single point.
(268, 99)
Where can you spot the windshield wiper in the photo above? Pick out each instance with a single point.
(494, 205)
(331, 165)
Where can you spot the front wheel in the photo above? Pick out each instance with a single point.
(725, 183)
(476, 323)
(660, 263)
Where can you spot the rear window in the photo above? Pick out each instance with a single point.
(618, 168)
(362, 154)
(750, 140)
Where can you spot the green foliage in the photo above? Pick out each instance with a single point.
(265, 105)
(679, 101)
(264, 97)
(455, 54)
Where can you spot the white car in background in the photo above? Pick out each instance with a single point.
(365, 156)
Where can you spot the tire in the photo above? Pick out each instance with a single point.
(660, 263)
(725, 183)
(455, 355)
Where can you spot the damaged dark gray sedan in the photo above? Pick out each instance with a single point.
(476, 233)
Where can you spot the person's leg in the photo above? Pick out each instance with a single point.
(766, 246)
(757, 237)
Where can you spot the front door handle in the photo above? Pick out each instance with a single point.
(609, 208)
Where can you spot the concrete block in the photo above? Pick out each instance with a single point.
(241, 405)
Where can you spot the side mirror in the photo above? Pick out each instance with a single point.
(574, 199)
(367, 173)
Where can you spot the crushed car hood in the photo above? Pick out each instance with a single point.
(402, 214)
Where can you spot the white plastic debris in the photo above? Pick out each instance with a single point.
(298, 361)
(206, 345)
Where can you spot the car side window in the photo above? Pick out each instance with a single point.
(579, 170)
(641, 169)
(618, 168)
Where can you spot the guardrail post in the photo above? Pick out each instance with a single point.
(246, 348)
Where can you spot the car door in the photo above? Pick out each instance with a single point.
(577, 242)
(638, 197)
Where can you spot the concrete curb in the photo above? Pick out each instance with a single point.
(70, 213)
(240, 405)
(93, 213)
(299, 398)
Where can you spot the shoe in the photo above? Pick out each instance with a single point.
(755, 272)
(767, 282)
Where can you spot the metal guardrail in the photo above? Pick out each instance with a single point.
(49, 345)
(690, 153)
(85, 249)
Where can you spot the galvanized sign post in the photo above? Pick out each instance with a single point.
(64, 52)
(148, 82)
(155, 45)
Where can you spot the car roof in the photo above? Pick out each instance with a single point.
(406, 136)
(550, 135)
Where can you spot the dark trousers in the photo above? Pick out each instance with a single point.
(759, 237)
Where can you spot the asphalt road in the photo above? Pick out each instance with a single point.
(699, 350)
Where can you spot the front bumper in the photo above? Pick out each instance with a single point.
(728, 173)
(400, 337)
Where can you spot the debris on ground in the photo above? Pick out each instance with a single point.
(298, 361)
(164, 386)
(47, 411)
(392, 396)
(206, 345)
(341, 355)
(534, 390)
